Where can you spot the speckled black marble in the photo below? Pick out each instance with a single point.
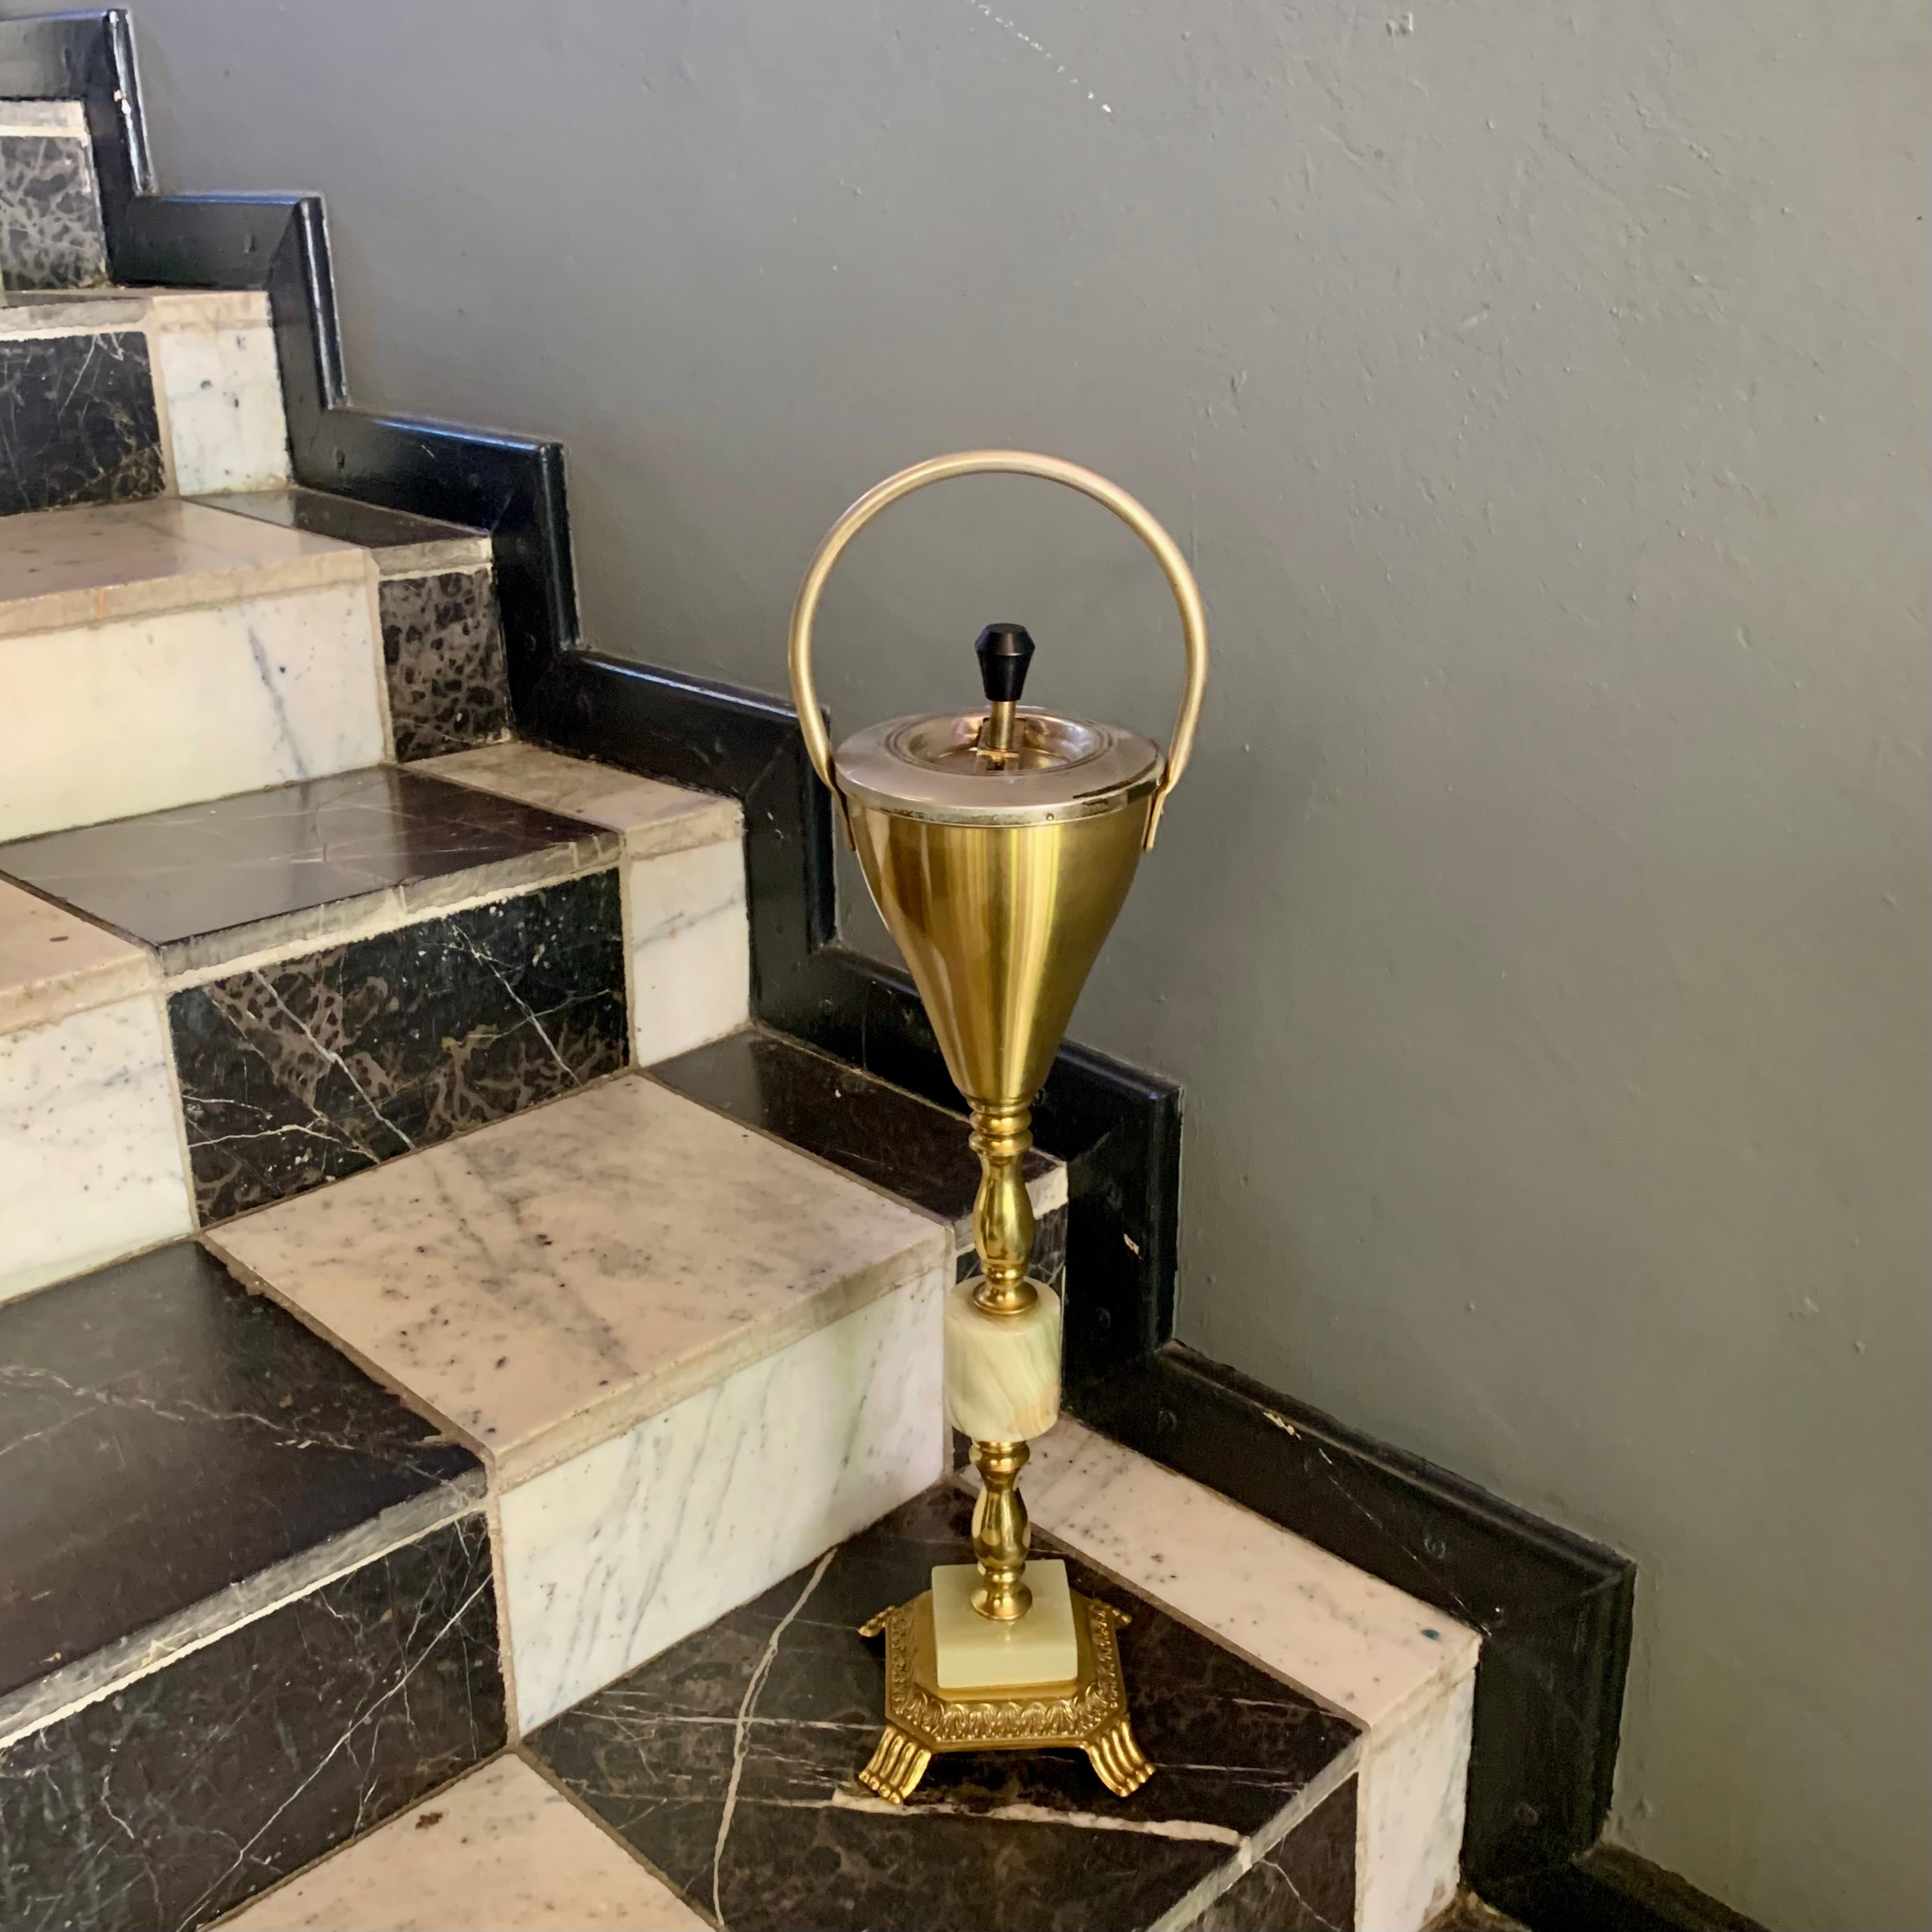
(304, 1071)
(1305, 1883)
(442, 650)
(185, 1791)
(870, 1128)
(50, 231)
(370, 526)
(77, 421)
(163, 1434)
(731, 1762)
(168, 878)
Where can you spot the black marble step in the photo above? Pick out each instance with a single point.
(51, 234)
(730, 1764)
(246, 1606)
(867, 1126)
(79, 422)
(324, 1015)
(443, 640)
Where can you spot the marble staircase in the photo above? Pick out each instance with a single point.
(462, 1384)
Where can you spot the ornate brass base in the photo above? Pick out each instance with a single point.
(1088, 1714)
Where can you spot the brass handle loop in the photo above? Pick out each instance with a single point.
(1017, 462)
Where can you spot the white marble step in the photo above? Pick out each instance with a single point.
(307, 918)
(1403, 1671)
(210, 355)
(158, 652)
(692, 1358)
(91, 1161)
(501, 1849)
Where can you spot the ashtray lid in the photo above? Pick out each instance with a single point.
(934, 768)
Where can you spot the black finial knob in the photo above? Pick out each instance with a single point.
(1005, 651)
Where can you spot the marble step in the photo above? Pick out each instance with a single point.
(247, 1607)
(1403, 1671)
(869, 1128)
(159, 653)
(690, 1358)
(502, 1847)
(728, 1766)
(51, 235)
(115, 394)
(730, 1762)
(443, 642)
(206, 1009)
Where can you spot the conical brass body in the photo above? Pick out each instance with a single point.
(1000, 924)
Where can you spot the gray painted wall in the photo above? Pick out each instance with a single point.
(1541, 391)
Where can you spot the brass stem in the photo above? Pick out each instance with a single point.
(1002, 1212)
(1001, 1534)
(994, 744)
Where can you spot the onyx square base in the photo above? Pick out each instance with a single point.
(164, 1434)
(166, 878)
(190, 1789)
(731, 1763)
(307, 1070)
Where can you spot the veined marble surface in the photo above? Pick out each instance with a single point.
(78, 423)
(547, 1282)
(222, 880)
(98, 562)
(53, 964)
(501, 1849)
(442, 648)
(194, 703)
(200, 1784)
(689, 936)
(90, 1158)
(52, 237)
(653, 817)
(1354, 1641)
(1415, 1775)
(685, 915)
(731, 1762)
(1402, 1670)
(624, 1551)
(222, 393)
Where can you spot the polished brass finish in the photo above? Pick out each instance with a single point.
(1002, 1210)
(1000, 925)
(1001, 1533)
(995, 741)
(1087, 1713)
(1017, 463)
(999, 844)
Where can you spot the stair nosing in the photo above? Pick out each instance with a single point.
(34, 314)
(604, 1417)
(195, 961)
(38, 615)
(103, 1672)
